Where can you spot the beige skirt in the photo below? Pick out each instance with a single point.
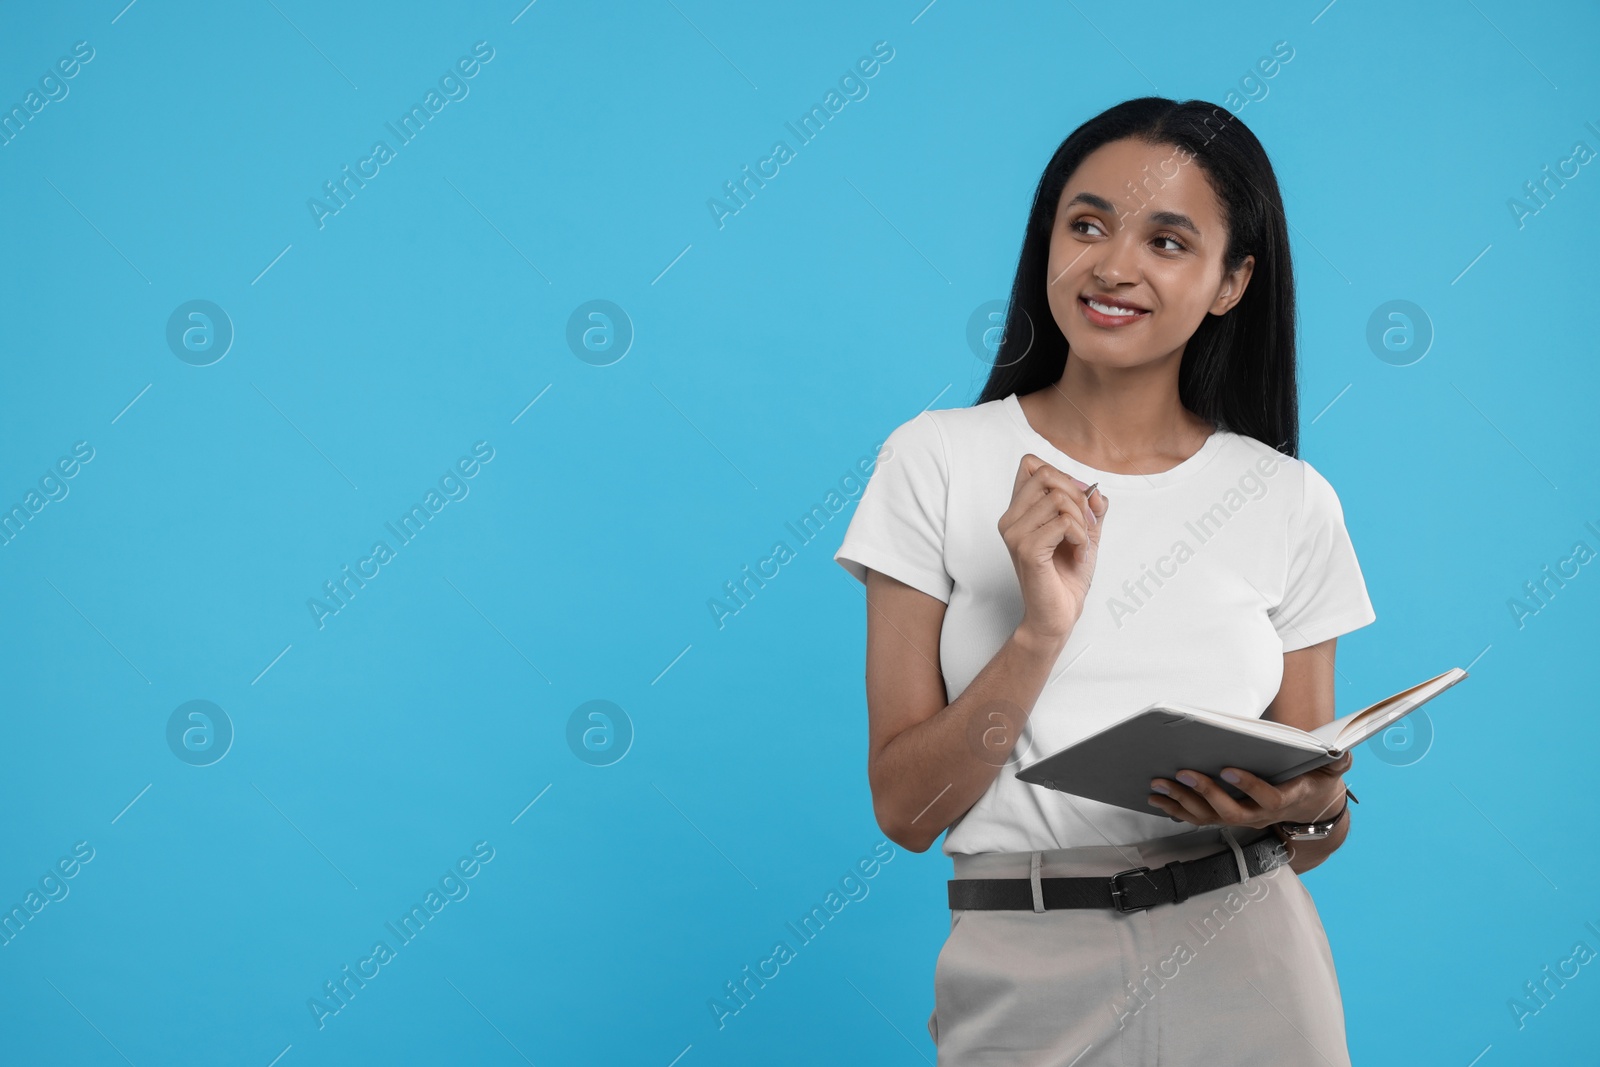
(1241, 975)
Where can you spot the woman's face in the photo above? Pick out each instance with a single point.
(1139, 227)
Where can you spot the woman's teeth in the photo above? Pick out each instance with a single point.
(1108, 309)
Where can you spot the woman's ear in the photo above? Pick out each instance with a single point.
(1233, 287)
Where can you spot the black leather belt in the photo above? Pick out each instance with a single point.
(1130, 890)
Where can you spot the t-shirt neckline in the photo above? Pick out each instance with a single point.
(1110, 479)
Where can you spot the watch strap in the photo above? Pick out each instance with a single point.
(1321, 827)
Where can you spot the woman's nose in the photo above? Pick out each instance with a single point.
(1117, 262)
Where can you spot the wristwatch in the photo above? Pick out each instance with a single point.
(1313, 831)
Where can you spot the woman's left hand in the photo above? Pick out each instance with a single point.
(1304, 798)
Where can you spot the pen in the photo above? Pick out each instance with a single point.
(1087, 493)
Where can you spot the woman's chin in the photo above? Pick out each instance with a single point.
(1103, 356)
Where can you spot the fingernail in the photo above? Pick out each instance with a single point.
(1157, 787)
(1152, 803)
(1188, 779)
(1230, 776)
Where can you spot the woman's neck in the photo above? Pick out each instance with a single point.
(1120, 420)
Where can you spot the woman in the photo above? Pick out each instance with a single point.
(1120, 518)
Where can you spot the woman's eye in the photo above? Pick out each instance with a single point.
(1073, 225)
(1174, 240)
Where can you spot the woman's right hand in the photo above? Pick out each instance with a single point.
(1053, 534)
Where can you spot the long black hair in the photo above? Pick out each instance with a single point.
(1238, 369)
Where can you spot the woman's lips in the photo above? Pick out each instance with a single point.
(1109, 319)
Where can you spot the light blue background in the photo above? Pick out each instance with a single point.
(427, 314)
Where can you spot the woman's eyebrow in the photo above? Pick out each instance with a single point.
(1175, 219)
(1160, 218)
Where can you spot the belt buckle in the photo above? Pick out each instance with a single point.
(1118, 891)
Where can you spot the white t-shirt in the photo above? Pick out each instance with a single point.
(1207, 574)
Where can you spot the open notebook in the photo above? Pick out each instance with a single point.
(1115, 766)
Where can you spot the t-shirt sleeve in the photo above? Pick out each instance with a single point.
(1324, 593)
(899, 522)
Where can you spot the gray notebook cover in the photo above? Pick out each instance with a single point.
(1115, 766)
